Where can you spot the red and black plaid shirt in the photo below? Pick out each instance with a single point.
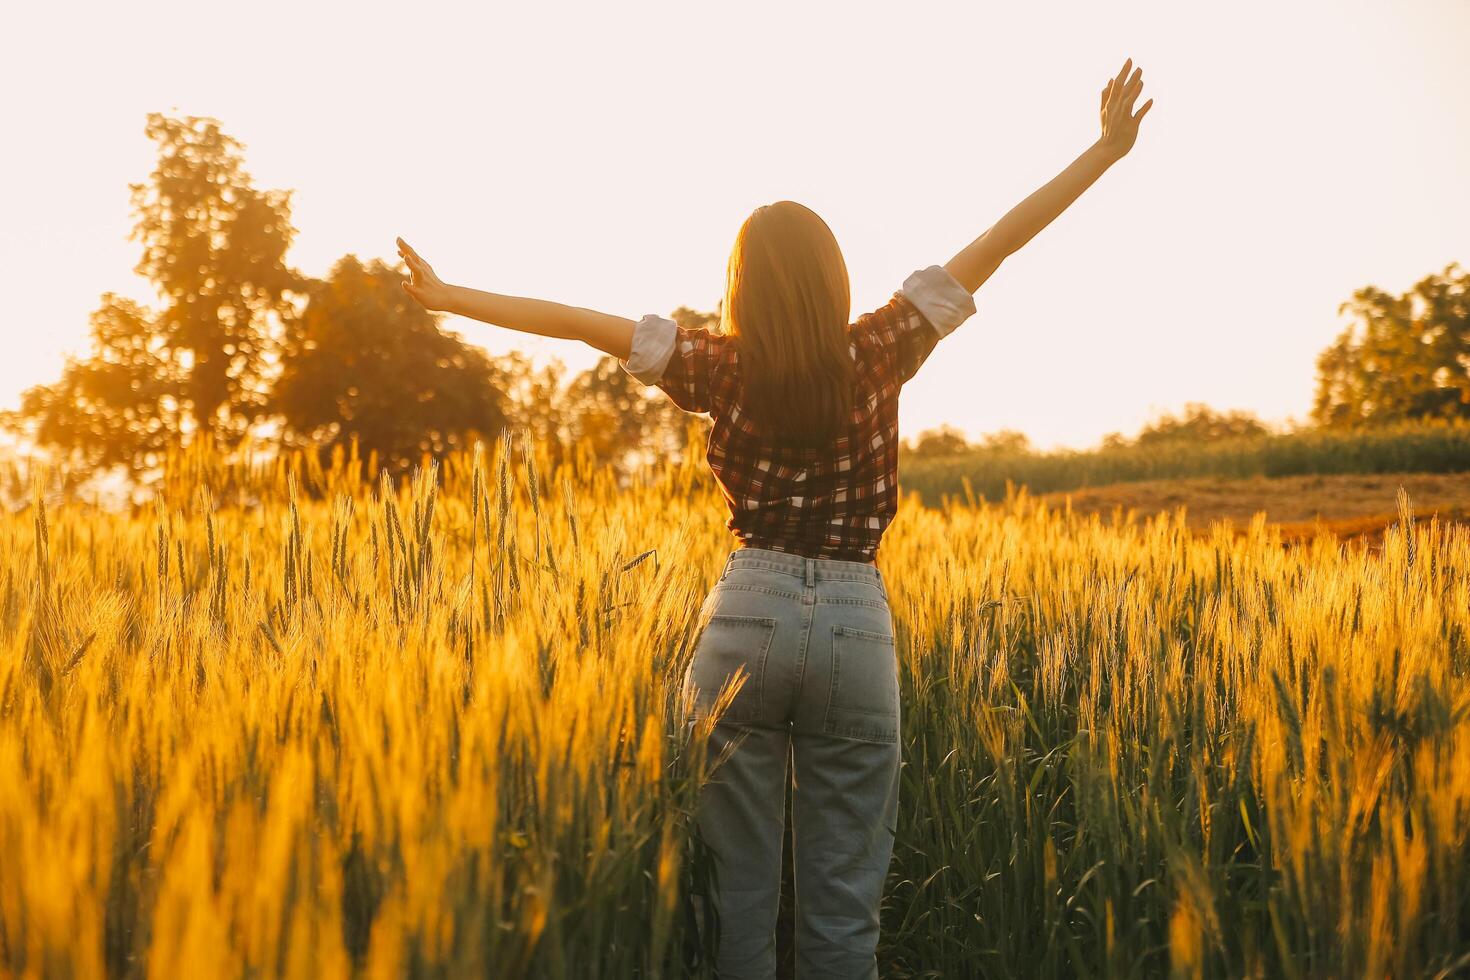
(832, 502)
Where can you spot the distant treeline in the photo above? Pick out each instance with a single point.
(1409, 447)
(244, 351)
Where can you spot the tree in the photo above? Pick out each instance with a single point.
(614, 414)
(118, 408)
(946, 440)
(1005, 441)
(214, 248)
(533, 398)
(362, 361)
(622, 420)
(1402, 357)
(1200, 423)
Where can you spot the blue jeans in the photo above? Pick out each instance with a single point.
(815, 637)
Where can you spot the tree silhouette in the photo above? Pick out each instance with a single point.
(1200, 423)
(946, 440)
(615, 417)
(364, 361)
(214, 248)
(231, 351)
(943, 440)
(614, 414)
(1403, 357)
(118, 408)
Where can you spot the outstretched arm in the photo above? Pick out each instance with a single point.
(977, 261)
(609, 334)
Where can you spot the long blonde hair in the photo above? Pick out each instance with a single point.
(787, 303)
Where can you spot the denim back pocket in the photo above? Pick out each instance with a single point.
(729, 645)
(863, 700)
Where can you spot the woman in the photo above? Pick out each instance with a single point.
(804, 447)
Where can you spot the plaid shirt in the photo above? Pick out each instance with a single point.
(833, 502)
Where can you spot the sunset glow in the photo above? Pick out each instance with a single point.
(604, 156)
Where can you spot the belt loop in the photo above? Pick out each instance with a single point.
(811, 572)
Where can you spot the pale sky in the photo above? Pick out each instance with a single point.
(604, 155)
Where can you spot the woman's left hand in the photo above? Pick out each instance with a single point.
(423, 284)
(1119, 121)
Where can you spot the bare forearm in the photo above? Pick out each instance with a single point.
(610, 334)
(1023, 221)
(977, 261)
(521, 313)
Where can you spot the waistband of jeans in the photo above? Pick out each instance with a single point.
(801, 566)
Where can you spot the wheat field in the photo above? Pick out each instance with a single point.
(290, 720)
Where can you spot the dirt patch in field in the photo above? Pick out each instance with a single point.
(1355, 508)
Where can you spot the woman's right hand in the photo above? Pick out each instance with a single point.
(424, 284)
(1119, 122)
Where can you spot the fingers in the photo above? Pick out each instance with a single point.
(422, 283)
(409, 255)
(1122, 90)
(1143, 111)
(1131, 90)
(1122, 75)
(416, 264)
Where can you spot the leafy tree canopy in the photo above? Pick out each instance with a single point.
(364, 361)
(1200, 423)
(1403, 357)
(214, 248)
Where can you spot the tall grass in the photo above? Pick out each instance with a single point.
(292, 721)
(426, 730)
(1411, 447)
(1131, 753)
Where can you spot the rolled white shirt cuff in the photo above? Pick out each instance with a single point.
(940, 297)
(653, 345)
